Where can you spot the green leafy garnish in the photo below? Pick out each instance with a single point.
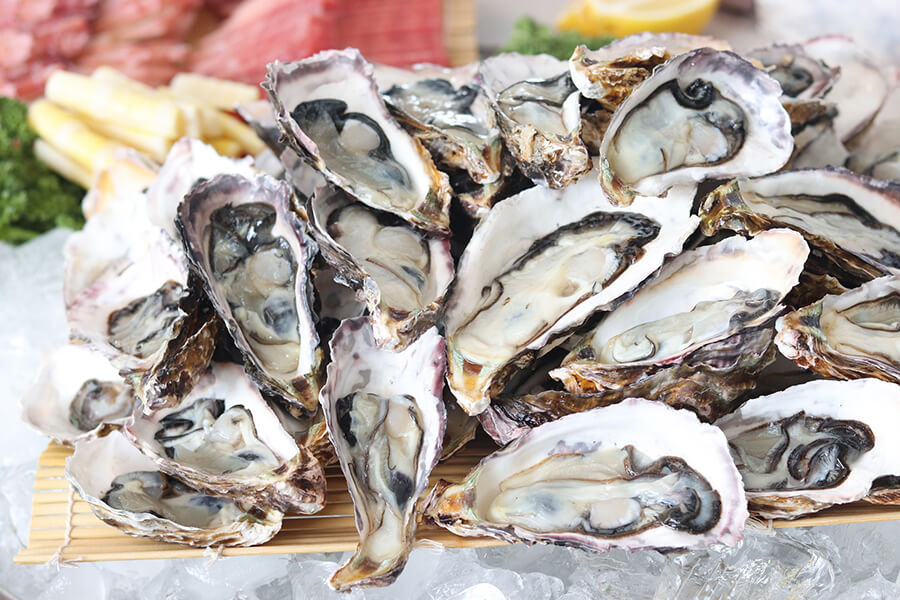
(530, 37)
(33, 199)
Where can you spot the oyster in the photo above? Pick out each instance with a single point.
(539, 114)
(386, 419)
(814, 445)
(701, 297)
(224, 439)
(336, 301)
(876, 150)
(331, 113)
(610, 73)
(801, 76)
(815, 142)
(854, 335)
(125, 489)
(253, 253)
(586, 254)
(400, 273)
(597, 480)
(76, 395)
(703, 115)
(862, 87)
(851, 222)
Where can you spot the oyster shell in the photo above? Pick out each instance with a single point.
(539, 114)
(331, 113)
(386, 419)
(224, 439)
(876, 150)
(801, 76)
(814, 445)
(610, 73)
(401, 274)
(851, 222)
(853, 335)
(597, 481)
(703, 115)
(76, 395)
(459, 429)
(701, 297)
(815, 142)
(253, 253)
(586, 252)
(125, 489)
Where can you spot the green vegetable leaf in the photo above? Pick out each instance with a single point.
(530, 37)
(33, 199)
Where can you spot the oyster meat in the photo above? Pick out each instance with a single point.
(224, 439)
(254, 253)
(400, 273)
(703, 296)
(540, 264)
(125, 489)
(705, 114)
(538, 110)
(597, 480)
(850, 336)
(331, 113)
(851, 222)
(801, 76)
(386, 419)
(76, 395)
(814, 445)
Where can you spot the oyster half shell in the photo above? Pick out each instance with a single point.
(253, 253)
(801, 76)
(853, 335)
(586, 253)
(598, 480)
(331, 113)
(705, 114)
(385, 416)
(814, 445)
(125, 489)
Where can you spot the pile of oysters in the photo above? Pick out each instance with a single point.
(646, 273)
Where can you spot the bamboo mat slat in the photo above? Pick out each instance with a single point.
(331, 530)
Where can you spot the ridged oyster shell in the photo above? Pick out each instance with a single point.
(386, 418)
(125, 489)
(332, 114)
(814, 445)
(597, 480)
(853, 335)
(705, 114)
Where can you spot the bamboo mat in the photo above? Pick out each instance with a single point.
(331, 530)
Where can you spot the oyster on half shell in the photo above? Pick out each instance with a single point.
(814, 445)
(801, 76)
(125, 489)
(254, 253)
(400, 273)
(853, 335)
(599, 480)
(331, 113)
(585, 253)
(386, 419)
(703, 296)
(703, 115)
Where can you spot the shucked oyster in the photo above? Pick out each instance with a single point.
(386, 418)
(599, 480)
(610, 73)
(77, 395)
(585, 253)
(856, 334)
(814, 445)
(224, 439)
(701, 297)
(399, 272)
(851, 222)
(801, 76)
(815, 142)
(125, 489)
(254, 253)
(703, 115)
(539, 113)
(331, 113)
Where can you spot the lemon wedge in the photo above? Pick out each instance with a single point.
(624, 17)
